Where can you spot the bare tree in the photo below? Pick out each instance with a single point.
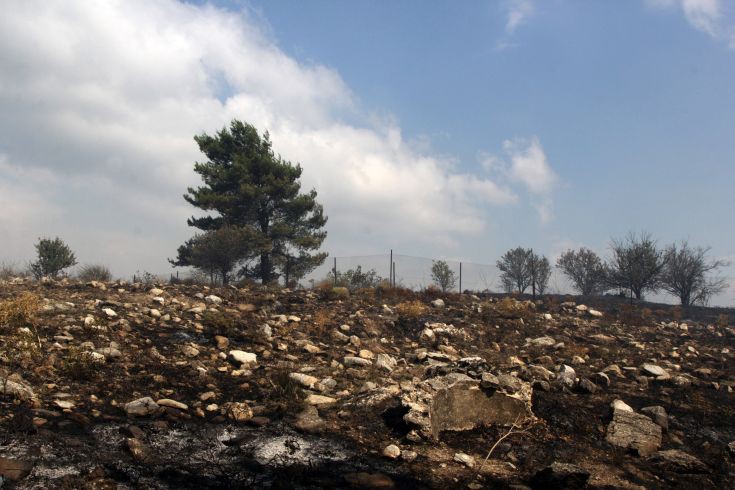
(585, 269)
(686, 274)
(636, 264)
(515, 269)
(443, 276)
(540, 271)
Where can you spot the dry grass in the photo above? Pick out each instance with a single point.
(20, 311)
(78, 364)
(411, 309)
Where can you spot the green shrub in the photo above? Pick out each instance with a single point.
(53, 257)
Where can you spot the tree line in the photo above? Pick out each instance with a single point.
(637, 265)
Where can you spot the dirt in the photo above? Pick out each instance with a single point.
(75, 433)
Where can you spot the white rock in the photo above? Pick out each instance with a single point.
(392, 452)
(109, 312)
(215, 300)
(595, 313)
(654, 370)
(167, 402)
(303, 379)
(438, 303)
(243, 357)
(155, 292)
(621, 405)
(465, 459)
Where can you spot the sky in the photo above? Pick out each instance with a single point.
(440, 129)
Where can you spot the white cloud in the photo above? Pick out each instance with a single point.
(517, 13)
(526, 164)
(713, 17)
(103, 98)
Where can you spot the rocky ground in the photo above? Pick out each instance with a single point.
(124, 385)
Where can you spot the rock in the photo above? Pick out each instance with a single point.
(654, 370)
(155, 292)
(408, 456)
(109, 312)
(438, 303)
(678, 461)
(14, 469)
(190, 351)
(621, 405)
(222, 342)
(17, 390)
(64, 404)
(594, 313)
(309, 421)
(386, 362)
(542, 342)
(634, 431)
(215, 300)
(242, 357)
(456, 402)
(154, 313)
(566, 376)
(465, 459)
(587, 386)
(319, 400)
(356, 361)
(238, 411)
(659, 416)
(141, 407)
(167, 402)
(392, 451)
(140, 451)
(731, 448)
(303, 379)
(560, 476)
(428, 335)
(366, 354)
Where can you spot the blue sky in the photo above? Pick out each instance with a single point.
(441, 129)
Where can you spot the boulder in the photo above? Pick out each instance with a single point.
(457, 402)
(633, 431)
(678, 461)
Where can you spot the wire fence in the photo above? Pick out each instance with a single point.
(408, 271)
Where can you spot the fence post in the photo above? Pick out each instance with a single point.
(394, 274)
(460, 278)
(335, 272)
(390, 269)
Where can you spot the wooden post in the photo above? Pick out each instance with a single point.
(394, 274)
(460, 278)
(390, 269)
(335, 272)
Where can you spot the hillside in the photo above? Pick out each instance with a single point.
(125, 385)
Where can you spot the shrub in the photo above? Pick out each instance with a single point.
(94, 272)
(8, 270)
(411, 309)
(53, 257)
(21, 311)
(443, 276)
(78, 364)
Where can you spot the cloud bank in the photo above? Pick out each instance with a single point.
(99, 102)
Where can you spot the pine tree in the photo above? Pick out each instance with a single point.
(249, 186)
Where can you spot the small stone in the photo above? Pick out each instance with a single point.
(366, 354)
(215, 300)
(243, 357)
(438, 303)
(319, 400)
(465, 459)
(309, 421)
(566, 376)
(222, 342)
(587, 386)
(109, 312)
(392, 452)
(386, 362)
(356, 361)
(654, 370)
(303, 379)
(167, 402)
(141, 407)
(621, 405)
(239, 411)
